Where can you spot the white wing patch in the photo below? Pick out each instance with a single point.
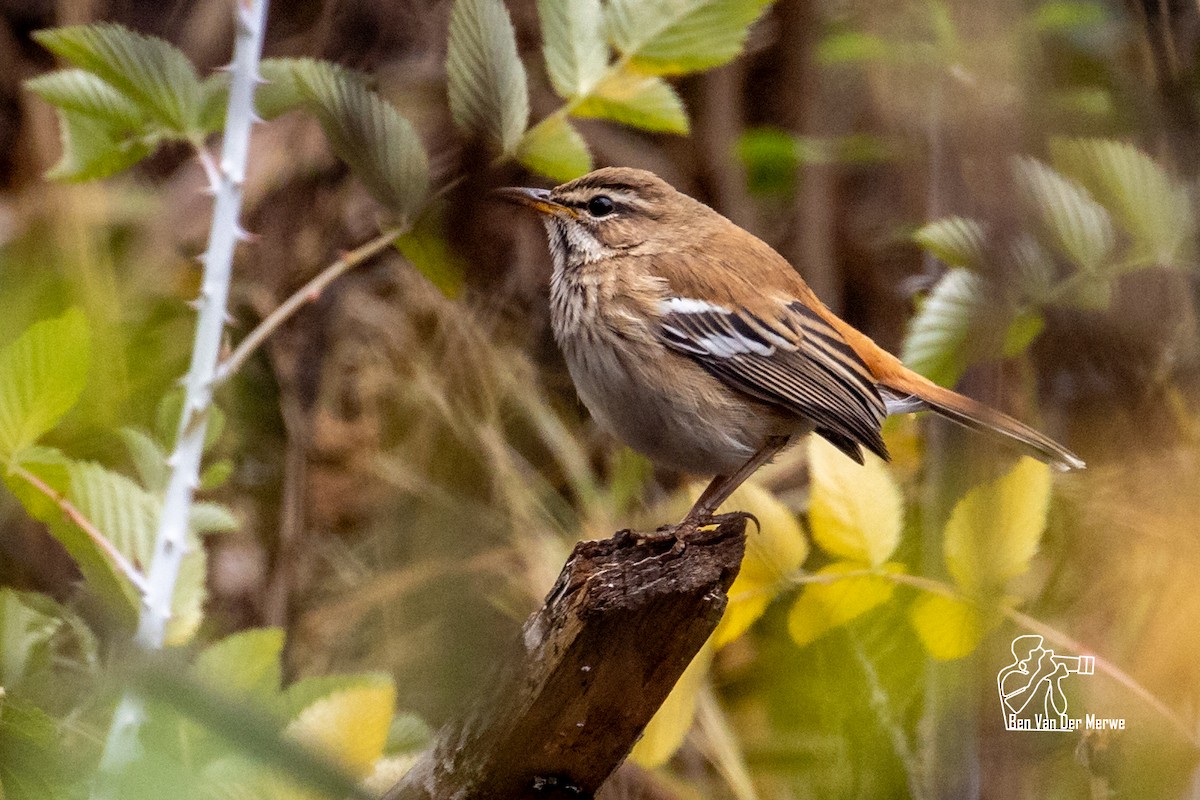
(705, 338)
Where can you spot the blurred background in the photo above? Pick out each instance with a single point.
(411, 465)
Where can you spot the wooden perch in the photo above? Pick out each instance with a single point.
(618, 628)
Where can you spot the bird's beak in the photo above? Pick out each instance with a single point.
(537, 199)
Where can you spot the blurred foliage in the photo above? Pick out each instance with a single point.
(405, 467)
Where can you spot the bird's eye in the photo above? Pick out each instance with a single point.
(600, 206)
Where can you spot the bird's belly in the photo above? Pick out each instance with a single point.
(694, 424)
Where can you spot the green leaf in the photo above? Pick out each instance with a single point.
(555, 149)
(642, 101)
(955, 241)
(1035, 268)
(672, 37)
(1146, 202)
(994, 530)
(852, 47)
(370, 135)
(42, 374)
(573, 44)
(82, 92)
(823, 606)
(93, 148)
(948, 627)
(488, 95)
(939, 340)
(25, 633)
(215, 475)
(1064, 15)
(247, 663)
(149, 71)
(771, 159)
(855, 511)
(211, 518)
(1079, 227)
(280, 91)
(214, 101)
(148, 459)
(33, 763)
(1021, 332)
(426, 247)
(49, 465)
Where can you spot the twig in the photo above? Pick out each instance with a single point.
(307, 293)
(75, 515)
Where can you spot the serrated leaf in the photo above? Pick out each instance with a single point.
(84, 93)
(955, 241)
(773, 554)
(1035, 267)
(939, 340)
(555, 149)
(42, 374)
(93, 148)
(349, 726)
(671, 37)
(150, 71)
(370, 135)
(49, 465)
(1079, 227)
(280, 92)
(643, 101)
(148, 458)
(948, 627)
(573, 44)
(855, 511)
(670, 724)
(247, 662)
(994, 530)
(1152, 207)
(488, 95)
(823, 606)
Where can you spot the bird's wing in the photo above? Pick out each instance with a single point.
(792, 358)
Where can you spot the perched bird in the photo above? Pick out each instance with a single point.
(702, 348)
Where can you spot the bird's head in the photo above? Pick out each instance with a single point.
(610, 211)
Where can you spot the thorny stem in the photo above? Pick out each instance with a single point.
(1019, 618)
(75, 515)
(226, 177)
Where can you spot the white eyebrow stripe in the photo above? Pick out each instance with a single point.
(689, 305)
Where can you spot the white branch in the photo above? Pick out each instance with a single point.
(171, 543)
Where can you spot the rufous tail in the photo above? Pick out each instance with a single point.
(976, 416)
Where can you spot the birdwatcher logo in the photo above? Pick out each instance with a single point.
(1031, 689)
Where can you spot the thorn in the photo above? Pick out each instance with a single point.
(255, 119)
(244, 235)
(229, 320)
(225, 67)
(194, 305)
(172, 460)
(203, 258)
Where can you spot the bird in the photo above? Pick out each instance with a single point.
(701, 347)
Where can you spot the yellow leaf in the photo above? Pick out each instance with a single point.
(671, 723)
(772, 554)
(949, 628)
(856, 511)
(821, 607)
(349, 726)
(995, 529)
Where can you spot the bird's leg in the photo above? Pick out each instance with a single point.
(722, 486)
